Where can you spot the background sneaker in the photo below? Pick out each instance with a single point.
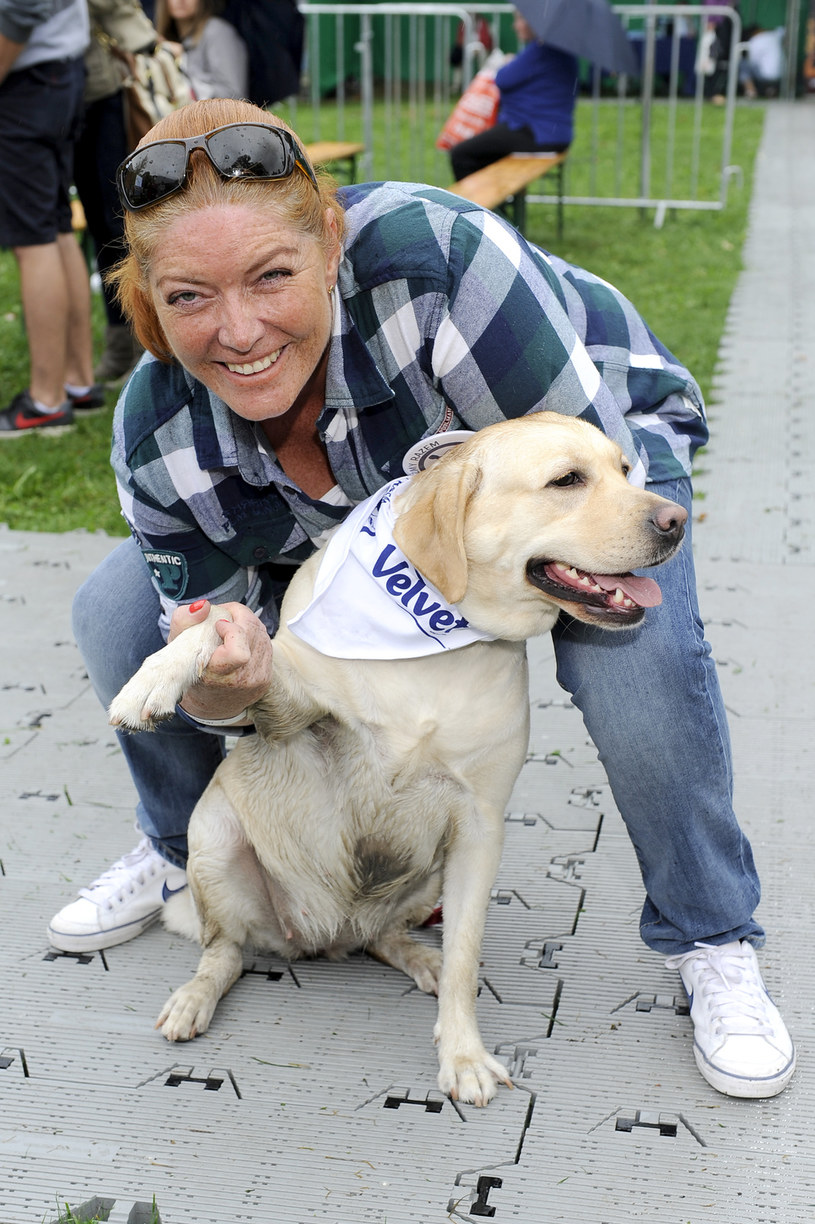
(741, 1044)
(123, 902)
(22, 415)
(93, 399)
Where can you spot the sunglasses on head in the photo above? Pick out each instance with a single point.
(237, 151)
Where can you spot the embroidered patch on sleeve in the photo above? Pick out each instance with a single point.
(170, 572)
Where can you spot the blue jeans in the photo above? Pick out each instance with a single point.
(649, 697)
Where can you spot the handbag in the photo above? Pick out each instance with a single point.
(153, 84)
(477, 108)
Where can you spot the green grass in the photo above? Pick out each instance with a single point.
(680, 277)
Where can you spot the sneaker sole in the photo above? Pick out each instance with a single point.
(97, 941)
(51, 430)
(736, 1086)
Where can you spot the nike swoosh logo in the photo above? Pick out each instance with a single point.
(166, 892)
(22, 422)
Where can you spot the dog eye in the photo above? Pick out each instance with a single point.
(563, 482)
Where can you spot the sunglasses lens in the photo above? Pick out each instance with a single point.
(249, 151)
(152, 173)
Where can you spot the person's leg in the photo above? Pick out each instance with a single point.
(651, 702)
(44, 294)
(115, 620)
(78, 343)
(488, 147)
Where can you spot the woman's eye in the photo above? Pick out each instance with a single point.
(563, 482)
(186, 295)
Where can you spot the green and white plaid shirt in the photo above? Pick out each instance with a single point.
(445, 318)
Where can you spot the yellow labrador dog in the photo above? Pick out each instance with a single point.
(376, 786)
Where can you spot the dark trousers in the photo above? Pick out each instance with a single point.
(102, 145)
(493, 144)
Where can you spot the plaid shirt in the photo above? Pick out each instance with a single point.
(445, 318)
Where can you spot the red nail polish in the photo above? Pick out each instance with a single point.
(196, 607)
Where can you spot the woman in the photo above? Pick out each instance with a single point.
(303, 340)
(216, 59)
(538, 90)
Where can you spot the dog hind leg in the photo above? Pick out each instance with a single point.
(417, 960)
(188, 1011)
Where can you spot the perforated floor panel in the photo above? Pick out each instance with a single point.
(313, 1097)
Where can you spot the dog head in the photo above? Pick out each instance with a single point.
(534, 516)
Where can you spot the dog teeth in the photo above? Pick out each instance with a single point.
(620, 598)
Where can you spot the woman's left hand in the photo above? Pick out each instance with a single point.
(240, 670)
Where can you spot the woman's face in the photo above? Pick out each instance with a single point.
(243, 300)
(182, 10)
(523, 29)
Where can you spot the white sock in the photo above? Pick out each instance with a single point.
(77, 392)
(45, 409)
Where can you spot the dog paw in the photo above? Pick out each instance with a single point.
(187, 1012)
(149, 697)
(424, 966)
(472, 1079)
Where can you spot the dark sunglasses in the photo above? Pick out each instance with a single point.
(238, 150)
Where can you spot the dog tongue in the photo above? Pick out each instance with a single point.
(642, 591)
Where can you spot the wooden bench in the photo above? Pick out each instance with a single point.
(508, 179)
(324, 152)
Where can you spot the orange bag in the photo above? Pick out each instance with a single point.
(475, 111)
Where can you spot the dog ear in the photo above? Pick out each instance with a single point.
(430, 530)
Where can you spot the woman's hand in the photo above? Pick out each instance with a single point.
(240, 670)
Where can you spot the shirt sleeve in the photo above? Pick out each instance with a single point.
(523, 332)
(184, 563)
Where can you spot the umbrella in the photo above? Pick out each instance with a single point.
(588, 28)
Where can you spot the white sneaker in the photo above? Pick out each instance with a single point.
(123, 902)
(741, 1044)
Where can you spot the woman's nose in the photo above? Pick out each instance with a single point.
(239, 326)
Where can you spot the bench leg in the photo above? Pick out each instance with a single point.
(519, 211)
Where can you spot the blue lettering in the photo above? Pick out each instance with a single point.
(397, 583)
(379, 570)
(442, 620)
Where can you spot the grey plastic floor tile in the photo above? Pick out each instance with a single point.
(313, 1096)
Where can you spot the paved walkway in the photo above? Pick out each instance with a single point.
(313, 1097)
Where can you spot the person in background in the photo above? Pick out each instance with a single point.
(102, 144)
(41, 85)
(539, 88)
(302, 339)
(216, 59)
(763, 64)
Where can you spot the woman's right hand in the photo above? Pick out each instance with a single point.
(240, 670)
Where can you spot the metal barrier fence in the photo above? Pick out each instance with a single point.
(383, 74)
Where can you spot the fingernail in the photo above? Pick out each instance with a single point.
(197, 606)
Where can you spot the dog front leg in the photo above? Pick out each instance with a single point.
(466, 1071)
(188, 1011)
(165, 676)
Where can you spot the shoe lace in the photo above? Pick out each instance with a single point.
(114, 884)
(732, 991)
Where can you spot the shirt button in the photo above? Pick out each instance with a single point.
(260, 554)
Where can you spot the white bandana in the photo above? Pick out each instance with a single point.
(369, 602)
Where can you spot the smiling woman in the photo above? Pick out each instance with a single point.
(301, 343)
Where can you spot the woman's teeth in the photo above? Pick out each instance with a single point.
(253, 367)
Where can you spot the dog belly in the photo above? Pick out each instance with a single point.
(333, 854)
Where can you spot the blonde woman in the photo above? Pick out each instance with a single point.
(216, 58)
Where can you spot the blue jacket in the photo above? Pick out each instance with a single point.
(539, 91)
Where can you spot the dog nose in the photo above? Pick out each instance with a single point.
(669, 520)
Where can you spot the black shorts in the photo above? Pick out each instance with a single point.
(40, 114)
